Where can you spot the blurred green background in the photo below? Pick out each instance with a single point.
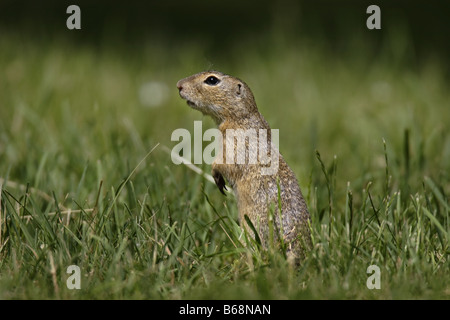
(81, 107)
(309, 63)
(317, 72)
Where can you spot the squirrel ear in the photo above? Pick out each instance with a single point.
(239, 91)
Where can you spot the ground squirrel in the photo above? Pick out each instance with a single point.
(230, 102)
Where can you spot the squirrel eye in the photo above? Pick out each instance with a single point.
(212, 81)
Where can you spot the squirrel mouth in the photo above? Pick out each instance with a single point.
(190, 103)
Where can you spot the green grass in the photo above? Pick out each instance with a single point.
(368, 140)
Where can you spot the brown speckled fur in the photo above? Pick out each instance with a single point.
(231, 104)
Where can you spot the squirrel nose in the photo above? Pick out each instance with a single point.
(179, 86)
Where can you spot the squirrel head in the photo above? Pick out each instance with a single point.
(218, 95)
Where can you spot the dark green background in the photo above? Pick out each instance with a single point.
(217, 25)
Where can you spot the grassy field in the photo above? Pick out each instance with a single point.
(85, 179)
